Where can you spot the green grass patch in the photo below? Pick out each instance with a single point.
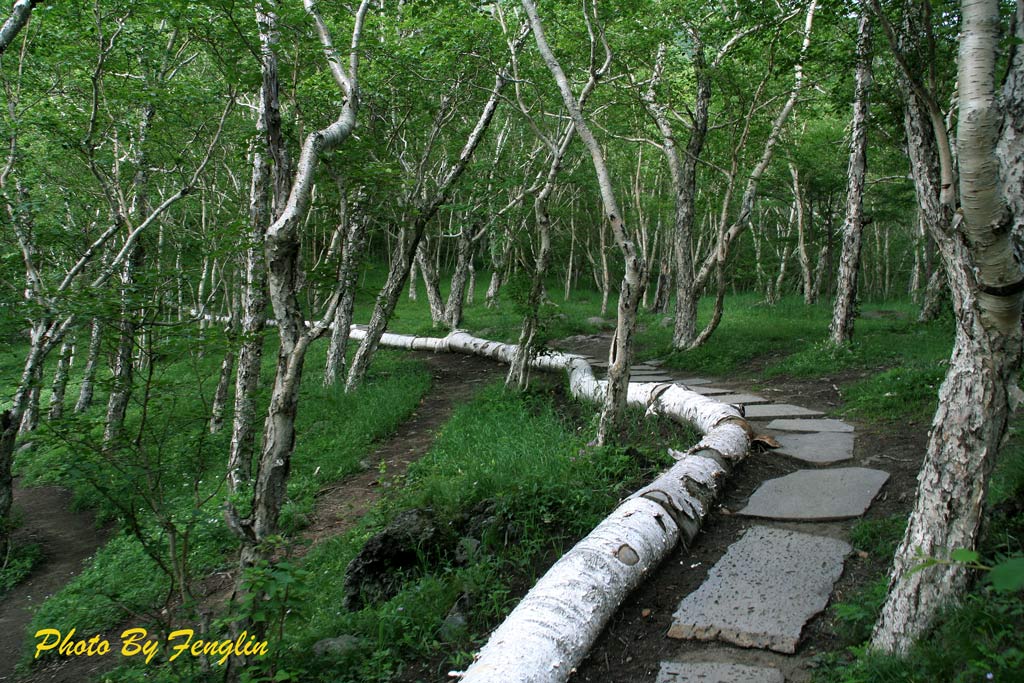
(178, 469)
(20, 561)
(515, 485)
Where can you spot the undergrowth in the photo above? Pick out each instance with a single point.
(21, 559)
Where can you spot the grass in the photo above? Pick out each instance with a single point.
(512, 485)
(509, 483)
(894, 364)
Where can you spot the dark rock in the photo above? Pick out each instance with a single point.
(376, 573)
(337, 647)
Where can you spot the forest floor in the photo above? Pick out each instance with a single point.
(635, 642)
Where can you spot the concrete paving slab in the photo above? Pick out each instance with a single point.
(716, 672)
(695, 381)
(817, 495)
(707, 391)
(810, 425)
(650, 378)
(763, 590)
(769, 410)
(820, 448)
(741, 399)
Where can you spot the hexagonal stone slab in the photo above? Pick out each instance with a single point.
(817, 495)
(810, 425)
(741, 399)
(769, 410)
(763, 590)
(820, 448)
(716, 672)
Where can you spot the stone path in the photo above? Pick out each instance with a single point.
(775, 577)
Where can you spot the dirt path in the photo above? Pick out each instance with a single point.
(67, 539)
(339, 507)
(456, 378)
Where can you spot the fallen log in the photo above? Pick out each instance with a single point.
(557, 622)
(554, 626)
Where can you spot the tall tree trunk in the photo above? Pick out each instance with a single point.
(123, 369)
(431, 279)
(803, 258)
(268, 195)
(412, 282)
(620, 354)
(60, 379)
(30, 417)
(985, 278)
(282, 242)
(351, 258)
(85, 391)
(683, 176)
(464, 258)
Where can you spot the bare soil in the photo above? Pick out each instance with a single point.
(67, 538)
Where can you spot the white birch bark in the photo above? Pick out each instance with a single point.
(282, 258)
(85, 391)
(58, 389)
(985, 277)
(20, 14)
(431, 280)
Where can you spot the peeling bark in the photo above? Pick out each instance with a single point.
(984, 273)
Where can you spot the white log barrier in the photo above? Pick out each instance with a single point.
(554, 626)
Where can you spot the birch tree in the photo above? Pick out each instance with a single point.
(281, 249)
(408, 242)
(20, 14)
(620, 355)
(986, 281)
(844, 311)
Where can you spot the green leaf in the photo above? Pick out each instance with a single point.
(964, 555)
(1008, 575)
